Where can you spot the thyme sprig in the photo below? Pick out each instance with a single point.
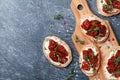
(71, 73)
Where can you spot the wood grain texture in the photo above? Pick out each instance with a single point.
(105, 46)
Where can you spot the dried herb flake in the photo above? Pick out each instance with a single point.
(78, 40)
(58, 17)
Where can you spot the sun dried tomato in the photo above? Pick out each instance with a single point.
(57, 52)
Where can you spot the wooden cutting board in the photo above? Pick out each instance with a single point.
(104, 47)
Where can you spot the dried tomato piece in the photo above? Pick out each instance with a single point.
(60, 54)
(53, 56)
(52, 44)
(116, 4)
(94, 61)
(86, 24)
(85, 65)
(63, 60)
(107, 1)
(105, 10)
(117, 75)
(93, 34)
(111, 68)
(111, 61)
(103, 31)
(90, 54)
(62, 50)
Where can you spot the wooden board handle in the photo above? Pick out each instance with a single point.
(83, 5)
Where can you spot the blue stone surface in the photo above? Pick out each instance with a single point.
(23, 26)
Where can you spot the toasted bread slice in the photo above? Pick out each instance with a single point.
(92, 17)
(82, 58)
(109, 57)
(47, 51)
(100, 4)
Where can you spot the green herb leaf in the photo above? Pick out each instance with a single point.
(78, 40)
(89, 30)
(94, 41)
(55, 49)
(46, 39)
(68, 77)
(71, 73)
(79, 62)
(58, 57)
(104, 6)
(58, 17)
(119, 0)
(96, 29)
(118, 72)
(101, 1)
(94, 69)
(86, 57)
(111, 2)
(113, 74)
(93, 54)
(117, 60)
(45, 48)
(98, 37)
(99, 47)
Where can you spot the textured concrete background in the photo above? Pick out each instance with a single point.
(23, 26)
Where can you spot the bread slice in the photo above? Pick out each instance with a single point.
(92, 17)
(100, 7)
(96, 51)
(108, 55)
(46, 51)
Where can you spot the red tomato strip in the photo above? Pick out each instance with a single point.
(57, 52)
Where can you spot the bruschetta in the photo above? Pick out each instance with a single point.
(89, 59)
(111, 64)
(108, 7)
(94, 28)
(57, 51)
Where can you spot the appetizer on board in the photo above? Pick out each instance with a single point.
(108, 7)
(94, 28)
(89, 59)
(111, 65)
